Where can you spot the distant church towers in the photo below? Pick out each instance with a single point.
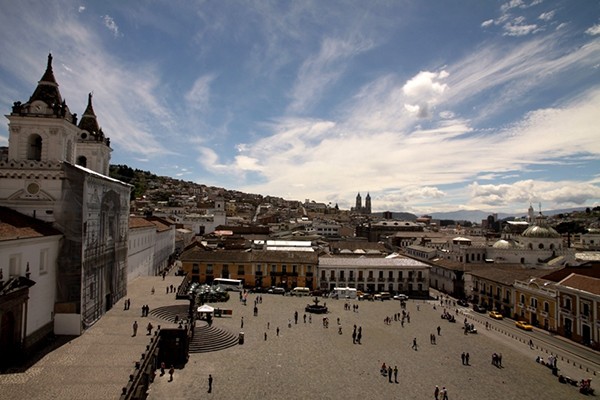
(359, 208)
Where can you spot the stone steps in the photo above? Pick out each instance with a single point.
(210, 338)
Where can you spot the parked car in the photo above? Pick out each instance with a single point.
(463, 302)
(479, 309)
(276, 290)
(495, 314)
(401, 297)
(524, 325)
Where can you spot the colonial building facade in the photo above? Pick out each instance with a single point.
(375, 274)
(56, 171)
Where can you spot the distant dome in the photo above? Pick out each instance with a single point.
(504, 244)
(541, 232)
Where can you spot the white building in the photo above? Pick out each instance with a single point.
(392, 274)
(140, 254)
(56, 171)
(28, 253)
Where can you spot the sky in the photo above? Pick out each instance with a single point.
(427, 106)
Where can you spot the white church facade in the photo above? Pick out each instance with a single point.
(56, 171)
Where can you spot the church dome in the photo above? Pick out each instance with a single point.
(504, 244)
(541, 232)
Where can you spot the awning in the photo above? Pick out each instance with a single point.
(205, 309)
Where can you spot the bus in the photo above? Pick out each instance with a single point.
(229, 284)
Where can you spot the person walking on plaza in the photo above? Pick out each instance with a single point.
(389, 373)
(242, 323)
(439, 329)
(396, 373)
(414, 345)
(149, 328)
(436, 392)
(210, 381)
(467, 359)
(135, 326)
(444, 393)
(171, 372)
(463, 357)
(359, 335)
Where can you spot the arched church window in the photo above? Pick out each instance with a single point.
(541, 246)
(34, 147)
(81, 160)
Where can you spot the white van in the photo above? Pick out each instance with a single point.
(300, 291)
(344, 293)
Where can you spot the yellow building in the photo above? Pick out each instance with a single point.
(536, 302)
(262, 268)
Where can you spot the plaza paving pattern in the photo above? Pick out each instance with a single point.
(305, 361)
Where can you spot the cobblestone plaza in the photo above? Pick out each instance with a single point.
(304, 361)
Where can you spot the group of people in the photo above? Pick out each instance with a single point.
(440, 394)
(388, 371)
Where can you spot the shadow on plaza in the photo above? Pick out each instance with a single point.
(21, 363)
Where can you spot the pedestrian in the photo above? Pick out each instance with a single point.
(354, 335)
(439, 329)
(414, 345)
(359, 335)
(171, 372)
(135, 326)
(463, 357)
(467, 359)
(277, 331)
(242, 324)
(444, 393)
(152, 291)
(265, 336)
(210, 381)
(310, 318)
(390, 374)
(149, 328)
(304, 318)
(162, 368)
(436, 392)
(530, 343)
(396, 373)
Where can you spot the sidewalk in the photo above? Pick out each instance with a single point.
(96, 364)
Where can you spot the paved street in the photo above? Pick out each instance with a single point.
(305, 361)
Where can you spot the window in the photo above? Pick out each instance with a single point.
(380, 274)
(522, 299)
(342, 275)
(34, 149)
(546, 306)
(332, 275)
(567, 303)
(585, 309)
(273, 268)
(14, 265)
(258, 268)
(43, 261)
(400, 275)
(534, 302)
(241, 270)
(294, 269)
(309, 269)
(195, 268)
(209, 269)
(284, 269)
(323, 275)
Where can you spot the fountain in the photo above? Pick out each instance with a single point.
(315, 308)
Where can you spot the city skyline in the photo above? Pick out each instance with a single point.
(426, 106)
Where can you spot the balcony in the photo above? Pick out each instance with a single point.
(351, 279)
(421, 279)
(370, 279)
(391, 280)
(361, 278)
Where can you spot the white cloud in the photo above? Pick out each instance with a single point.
(110, 23)
(198, 97)
(487, 23)
(318, 73)
(517, 27)
(423, 91)
(547, 16)
(81, 9)
(593, 30)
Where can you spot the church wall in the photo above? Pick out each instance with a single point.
(140, 255)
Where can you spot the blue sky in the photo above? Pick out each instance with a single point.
(426, 105)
